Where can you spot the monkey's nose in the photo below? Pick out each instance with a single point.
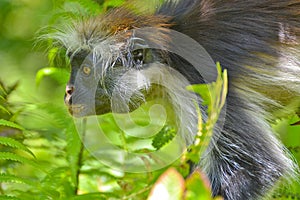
(68, 96)
(69, 89)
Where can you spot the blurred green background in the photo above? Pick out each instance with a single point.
(20, 57)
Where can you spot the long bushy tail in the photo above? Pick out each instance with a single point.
(258, 42)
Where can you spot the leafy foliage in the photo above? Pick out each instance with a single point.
(5, 107)
(10, 124)
(172, 186)
(165, 135)
(214, 97)
(6, 141)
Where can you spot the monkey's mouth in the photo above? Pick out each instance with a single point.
(76, 109)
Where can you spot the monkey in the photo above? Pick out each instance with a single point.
(256, 41)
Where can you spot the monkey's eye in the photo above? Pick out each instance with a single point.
(86, 70)
(118, 62)
(138, 56)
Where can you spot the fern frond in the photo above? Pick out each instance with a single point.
(20, 159)
(4, 109)
(74, 149)
(5, 197)
(8, 178)
(6, 141)
(4, 122)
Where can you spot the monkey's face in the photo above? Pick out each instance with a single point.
(81, 89)
(110, 78)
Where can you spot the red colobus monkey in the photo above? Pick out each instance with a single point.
(256, 41)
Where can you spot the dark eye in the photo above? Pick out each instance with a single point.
(138, 56)
(118, 62)
(86, 70)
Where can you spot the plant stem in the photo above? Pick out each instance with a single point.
(80, 154)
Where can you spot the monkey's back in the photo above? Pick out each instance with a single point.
(258, 42)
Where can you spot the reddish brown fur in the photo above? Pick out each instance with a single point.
(122, 20)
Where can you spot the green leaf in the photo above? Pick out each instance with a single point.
(8, 178)
(2, 88)
(170, 186)
(5, 197)
(17, 158)
(214, 96)
(10, 124)
(15, 144)
(96, 196)
(197, 187)
(57, 183)
(53, 52)
(114, 3)
(58, 74)
(4, 109)
(166, 134)
(74, 149)
(90, 6)
(12, 88)
(2, 97)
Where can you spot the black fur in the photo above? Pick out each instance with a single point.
(247, 160)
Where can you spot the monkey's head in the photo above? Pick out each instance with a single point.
(108, 61)
(113, 77)
(120, 60)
